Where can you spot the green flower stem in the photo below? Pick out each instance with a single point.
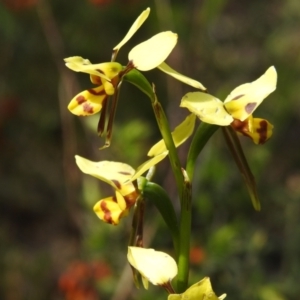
(184, 238)
(201, 137)
(165, 131)
(184, 191)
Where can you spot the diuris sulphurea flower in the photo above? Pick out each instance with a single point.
(238, 107)
(122, 176)
(117, 175)
(108, 76)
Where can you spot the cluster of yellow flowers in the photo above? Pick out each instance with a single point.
(236, 111)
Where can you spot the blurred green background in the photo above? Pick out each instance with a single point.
(52, 245)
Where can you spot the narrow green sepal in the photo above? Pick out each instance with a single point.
(201, 137)
(237, 152)
(155, 193)
(139, 80)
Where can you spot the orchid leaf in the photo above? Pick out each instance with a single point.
(158, 196)
(200, 138)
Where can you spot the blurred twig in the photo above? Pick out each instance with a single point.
(66, 90)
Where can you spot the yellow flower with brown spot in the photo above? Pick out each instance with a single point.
(108, 76)
(116, 174)
(238, 107)
(121, 177)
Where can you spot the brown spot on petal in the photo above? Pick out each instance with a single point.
(114, 199)
(240, 126)
(262, 131)
(93, 92)
(117, 183)
(80, 99)
(237, 97)
(124, 173)
(130, 199)
(88, 108)
(96, 79)
(250, 107)
(107, 213)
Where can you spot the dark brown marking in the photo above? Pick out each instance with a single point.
(88, 108)
(100, 71)
(237, 97)
(93, 92)
(124, 173)
(107, 213)
(80, 99)
(250, 107)
(262, 131)
(96, 79)
(240, 126)
(114, 199)
(130, 199)
(117, 183)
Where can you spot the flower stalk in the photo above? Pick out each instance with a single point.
(184, 191)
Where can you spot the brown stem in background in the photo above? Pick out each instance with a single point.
(66, 90)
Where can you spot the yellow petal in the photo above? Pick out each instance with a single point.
(113, 173)
(79, 64)
(259, 130)
(208, 108)
(109, 210)
(180, 134)
(87, 102)
(187, 80)
(151, 53)
(121, 201)
(134, 27)
(199, 290)
(157, 267)
(108, 87)
(148, 164)
(244, 99)
(77, 60)
(107, 70)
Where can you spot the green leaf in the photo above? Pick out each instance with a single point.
(201, 137)
(156, 194)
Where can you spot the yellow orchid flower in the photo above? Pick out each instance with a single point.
(107, 76)
(121, 176)
(155, 266)
(200, 290)
(238, 107)
(116, 174)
